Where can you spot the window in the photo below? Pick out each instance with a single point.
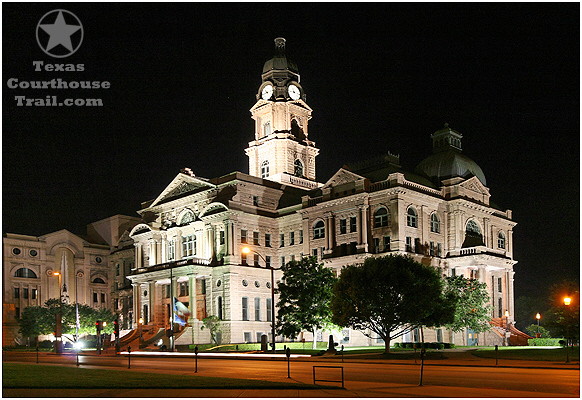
(268, 261)
(298, 168)
(265, 169)
(219, 306)
(257, 309)
(473, 228)
(221, 238)
(432, 249)
(353, 227)
(256, 260)
(171, 251)
(292, 257)
(259, 334)
(301, 236)
(245, 308)
(17, 312)
(269, 310)
(184, 290)
(343, 226)
(34, 294)
(411, 218)
(291, 238)
(319, 230)
(501, 240)
(500, 307)
(24, 273)
(25, 293)
(439, 335)
(499, 285)
(381, 217)
(408, 244)
(315, 253)
(243, 259)
(345, 336)
(243, 236)
(117, 269)
(417, 246)
(282, 261)
(267, 129)
(376, 245)
(95, 297)
(282, 240)
(439, 250)
(386, 243)
(247, 336)
(256, 238)
(267, 239)
(256, 201)
(98, 280)
(453, 272)
(16, 293)
(166, 291)
(435, 224)
(188, 245)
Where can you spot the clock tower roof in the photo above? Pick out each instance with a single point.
(280, 62)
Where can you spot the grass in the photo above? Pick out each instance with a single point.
(531, 353)
(16, 376)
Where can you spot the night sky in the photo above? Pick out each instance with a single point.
(379, 78)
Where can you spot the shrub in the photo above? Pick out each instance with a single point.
(544, 342)
(562, 342)
(45, 344)
(397, 345)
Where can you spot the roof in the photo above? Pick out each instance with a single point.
(449, 164)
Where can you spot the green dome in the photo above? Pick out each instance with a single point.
(449, 164)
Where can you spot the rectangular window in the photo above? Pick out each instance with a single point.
(282, 261)
(25, 293)
(353, 226)
(222, 239)
(243, 259)
(259, 334)
(432, 248)
(102, 298)
(267, 239)
(171, 251)
(245, 308)
(386, 243)
(256, 201)
(376, 245)
(500, 307)
(268, 261)
(243, 236)
(95, 297)
(184, 289)
(34, 294)
(166, 291)
(408, 244)
(16, 293)
(417, 246)
(256, 260)
(345, 336)
(439, 250)
(282, 240)
(257, 308)
(188, 245)
(256, 238)
(453, 272)
(499, 285)
(315, 253)
(247, 336)
(439, 335)
(203, 286)
(343, 226)
(117, 269)
(269, 310)
(17, 312)
(322, 253)
(292, 257)
(291, 238)
(300, 236)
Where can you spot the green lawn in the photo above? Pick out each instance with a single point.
(46, 377)
(529, 353)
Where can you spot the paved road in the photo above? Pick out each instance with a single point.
(368, 379)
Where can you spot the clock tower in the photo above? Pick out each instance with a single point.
(282, 151)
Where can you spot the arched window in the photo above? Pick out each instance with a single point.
(501, 240)
(187, 218)
(435, 223)
(381, 217)
(319, 230)
(98, 280)
(473, 228)
(298, 168)
(265, 169)
(24, 273)
(411, 218)
(267, 129)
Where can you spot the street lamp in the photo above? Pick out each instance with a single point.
(247, 250)
(538, 316)
(567, 301)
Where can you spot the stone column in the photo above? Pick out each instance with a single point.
(364, 226)
(152, 300)
(306, 236)
(459, 236)
(423, 224)
(152, 244)
(509, 244)
(138, 255)
(178, 244)
(488, 233)
(136, 304)
(164, 248)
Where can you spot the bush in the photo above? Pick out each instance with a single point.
(397, 345)
(544, 342)
(562, 342)
(45, 344)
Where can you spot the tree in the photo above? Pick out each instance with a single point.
(472, 308)
(532, 330)
(564, 320)
(212, 323)
(305, 294)
(387, 293)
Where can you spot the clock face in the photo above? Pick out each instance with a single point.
(294, 92)
(267, 92)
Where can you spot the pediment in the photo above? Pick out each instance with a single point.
(473, 184)
(183, 183)
(341, 177)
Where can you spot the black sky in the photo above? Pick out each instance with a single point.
(379, 77)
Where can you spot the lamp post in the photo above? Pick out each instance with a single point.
(247, 250)
(538, 316)
(59, 319)
(567, 301)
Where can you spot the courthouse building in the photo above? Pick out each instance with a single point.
(189, 244)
